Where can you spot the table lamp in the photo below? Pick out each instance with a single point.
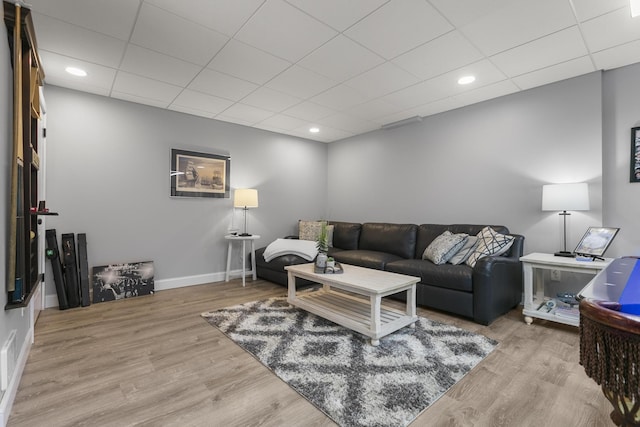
(245, 198)
(565, 197)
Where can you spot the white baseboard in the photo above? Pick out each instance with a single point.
(10, 393)
(173, 283)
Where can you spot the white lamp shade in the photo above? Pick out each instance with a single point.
(565, 197)
(245, 198)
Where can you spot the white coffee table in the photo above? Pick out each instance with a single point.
(361, 309)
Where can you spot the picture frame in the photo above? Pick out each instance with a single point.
(635, 155)
(195, 174)
(595, 241)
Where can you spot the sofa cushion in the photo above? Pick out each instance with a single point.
(396, 239)
(346, 234)
(490, 242)
(428, 232)
(368, 259)
(310, 230)
(444, 247)
(465, 251)
(456, 277)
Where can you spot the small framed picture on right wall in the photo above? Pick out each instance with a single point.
(635, 155)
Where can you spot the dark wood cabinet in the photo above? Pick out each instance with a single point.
(23, 263)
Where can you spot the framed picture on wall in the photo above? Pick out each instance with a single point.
(635, 155)
(199, 174)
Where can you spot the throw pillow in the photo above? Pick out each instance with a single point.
(465, 251)
(490, 242)
(310, 230)
(444, 247)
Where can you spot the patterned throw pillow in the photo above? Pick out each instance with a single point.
(310, 230)
(444, 247)
(490, 242)
(465, 251)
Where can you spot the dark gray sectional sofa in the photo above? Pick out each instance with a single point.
(482, 293)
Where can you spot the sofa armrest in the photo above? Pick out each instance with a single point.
(497, 283)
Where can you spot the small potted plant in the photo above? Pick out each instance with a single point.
(322, 244)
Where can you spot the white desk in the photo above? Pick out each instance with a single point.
(244, 239)
(534, 286)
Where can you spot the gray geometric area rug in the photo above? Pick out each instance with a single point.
(338, 371)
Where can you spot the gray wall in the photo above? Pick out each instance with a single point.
(9, 319)
(483, 164)
(108, 165)
(621, 198)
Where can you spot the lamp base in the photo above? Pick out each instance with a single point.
(566, 254)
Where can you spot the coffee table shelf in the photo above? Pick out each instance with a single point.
(360, 308)
(351, 312)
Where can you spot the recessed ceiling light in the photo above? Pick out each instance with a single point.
(466, 80)
(76, 71)
(314, 130)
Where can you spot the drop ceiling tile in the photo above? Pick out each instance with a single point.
(164, 32)
(373, 110)
(247, 62)
(452, 51)
(300, 82)
(619, 56)
(308, 111)
(222, 85)
(587, 9)
(145, 62)
(517, 22)
(565, 70)
(463, 12)
(541, 53)
(326, 134)
(340, 97)
(138, 99)
(190, 111)
(340, 59)
(283, 122)
(202, 102)
(445, 85)
(484, 93)
(247, 113)
(348, 123)
(98, 80)
(338, 14)
(284, 31)
(114, 18)
(267, 127)
(611, 30)
(143, 87)
(76, 42)
(208, 12)
(399, 26)
(76, 85)
(381, 80)
(269, 99)
(235, 120)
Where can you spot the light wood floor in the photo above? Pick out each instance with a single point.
(153, 361)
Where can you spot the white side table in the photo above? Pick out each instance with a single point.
(534, 286)
(231, 238)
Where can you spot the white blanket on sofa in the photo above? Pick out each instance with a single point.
(303, 248)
